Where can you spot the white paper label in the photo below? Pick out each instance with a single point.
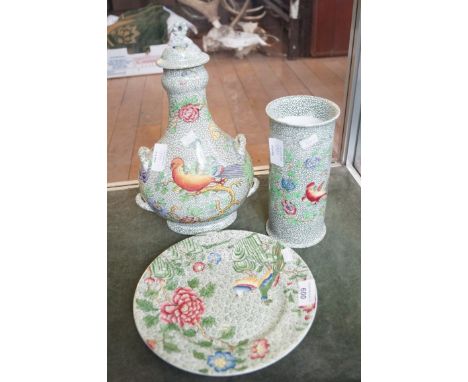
(159, 157)
(276, 151)
(189, 138)
(308, 142)
(304, 294)
(288, 254)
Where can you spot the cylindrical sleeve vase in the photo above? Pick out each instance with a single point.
(301, 142)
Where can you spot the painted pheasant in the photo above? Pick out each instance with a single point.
(263, 284)
(314, 193)
(197, 182)
(269, 279)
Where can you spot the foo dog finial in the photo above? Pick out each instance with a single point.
(179, 37)
(181, 52)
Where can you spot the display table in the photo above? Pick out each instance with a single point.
(330, 351)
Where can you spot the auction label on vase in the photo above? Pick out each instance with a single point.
(308, 142)
(159, 157)
(276, 151)
(304, 294)
(189, 138)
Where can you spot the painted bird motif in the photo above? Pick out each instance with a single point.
(314, 193)
(197, 182)
(263, 284)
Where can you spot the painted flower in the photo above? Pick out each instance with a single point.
(259, 349)
(289, 207)
(214, 257)
(150, 280)
(151, 344)
(287, 184)
(143, 176)
(310, 163)
(221, 361)
(308, 308)
(189, 113)
(198, 266)
(186, 308)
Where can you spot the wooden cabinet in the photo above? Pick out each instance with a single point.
(330, 28)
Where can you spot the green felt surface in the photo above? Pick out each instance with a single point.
(331, 349)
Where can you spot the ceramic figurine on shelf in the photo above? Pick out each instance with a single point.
(301, 142)
(196, 176)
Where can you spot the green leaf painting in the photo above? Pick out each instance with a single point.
(171, 326)
(228, 333)
(150, 293)
(208, 321)
(145, 305)
(193, 283)
(171, 285)
(207, 290)
(150, 320)
(189, 333)
(204, 344)
(199, 355)
(170, 347)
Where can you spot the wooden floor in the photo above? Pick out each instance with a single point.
(237, 93)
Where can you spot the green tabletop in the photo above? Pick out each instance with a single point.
(331, 349)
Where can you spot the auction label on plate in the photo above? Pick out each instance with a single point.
(304, 293)
(188, 138)
(159, 157)
(287, 254)
(276, 151)
(308, 142)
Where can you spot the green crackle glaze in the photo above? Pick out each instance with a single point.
(223, 304)
(205, 175)
(298, 189)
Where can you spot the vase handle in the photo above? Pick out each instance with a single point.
(144, 155)
(254, 187)
(240, 142)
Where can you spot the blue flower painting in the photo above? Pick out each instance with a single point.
(287, 184)
(214, 258)
(158, 208)
(311, 163)
(222, 361)
(144, 175)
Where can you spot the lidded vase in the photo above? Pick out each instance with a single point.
(196, 176)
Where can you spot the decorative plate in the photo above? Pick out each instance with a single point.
(225, 303)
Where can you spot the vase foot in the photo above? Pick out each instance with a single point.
(196, 228)
(301, 244)
(141, 203)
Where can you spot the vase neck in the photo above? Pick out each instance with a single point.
(186, 89)
(182, 103)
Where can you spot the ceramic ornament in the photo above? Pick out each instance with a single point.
(301, 142)
(196, 176)
(225, 303)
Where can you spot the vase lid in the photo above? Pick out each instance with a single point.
(181, 52)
